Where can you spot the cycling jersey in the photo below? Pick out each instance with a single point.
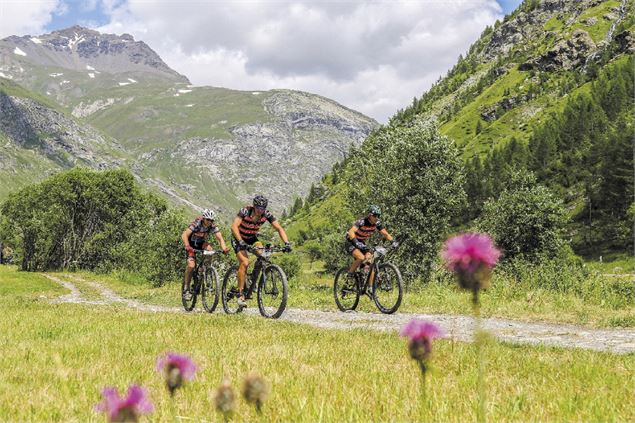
(249, 226)
(364, 229)
(200, 233)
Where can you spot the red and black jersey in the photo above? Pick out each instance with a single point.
(200, 233)
(250, 226)
(364, 229)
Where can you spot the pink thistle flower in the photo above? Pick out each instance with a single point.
(471, 256)
(176, 368)
(421, 333)
(128, 409)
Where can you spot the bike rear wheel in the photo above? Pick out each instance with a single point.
(210, 290)
(272, 292)
(388, 289)
(189, 303)
(229, 291)
(346, 290)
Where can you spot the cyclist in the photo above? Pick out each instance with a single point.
(245, 232)
(195, 237)
(362, 230)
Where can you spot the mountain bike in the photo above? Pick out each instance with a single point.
(386, 290)
(267, 279)
(204, 282)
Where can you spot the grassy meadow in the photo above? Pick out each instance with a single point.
(57, 358)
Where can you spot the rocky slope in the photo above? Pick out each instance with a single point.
(197, 145)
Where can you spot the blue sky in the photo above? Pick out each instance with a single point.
(509, 5)
(78, 12)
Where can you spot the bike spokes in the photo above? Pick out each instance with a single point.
(388, 288)
(230, 293)
(272, 292)
(345, 290)
(210, 290)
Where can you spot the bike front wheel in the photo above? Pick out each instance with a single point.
(388, 290)
(346, 290)
(229, 291)
(272, 292)
(210, 290)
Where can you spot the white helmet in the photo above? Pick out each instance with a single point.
(209, 214)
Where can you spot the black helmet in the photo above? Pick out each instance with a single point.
(260, 201)
(373, 209)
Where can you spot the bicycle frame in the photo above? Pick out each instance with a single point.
(380, 255)
(263, 258)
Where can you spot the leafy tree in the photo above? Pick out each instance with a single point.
(527, 220)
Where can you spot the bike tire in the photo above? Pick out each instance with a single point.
(345, 288)
(272, 285)
(393, 285)
(189, 305)
(229, 291)
(210, 291)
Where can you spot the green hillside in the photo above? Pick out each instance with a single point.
(541, 67)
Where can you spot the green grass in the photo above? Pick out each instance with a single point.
(62, 355)
(599, 29)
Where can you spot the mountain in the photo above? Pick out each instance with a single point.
(115, 98)
(549, 90)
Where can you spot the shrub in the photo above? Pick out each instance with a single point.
(290, 263)
(526, 221)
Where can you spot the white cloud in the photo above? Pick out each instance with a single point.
(370, 56)
(24, 17)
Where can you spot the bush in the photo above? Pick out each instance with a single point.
(85, 219)
(290, 263)
(333, 254)
(525, 221)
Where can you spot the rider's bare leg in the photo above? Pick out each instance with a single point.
(243, 263)
(359, 257)
(191, 263)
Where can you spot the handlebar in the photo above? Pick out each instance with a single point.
(208, 252)
(266, 248)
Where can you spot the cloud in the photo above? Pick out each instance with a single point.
(372, 56)
(27, 17)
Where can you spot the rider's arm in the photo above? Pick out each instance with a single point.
(283, 235)
(235, 230)
(351, 232)
(386, 235)
(185, 237)
(221, 241)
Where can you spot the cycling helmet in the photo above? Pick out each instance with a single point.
(375, 210)
(209, 214)
(260, 201)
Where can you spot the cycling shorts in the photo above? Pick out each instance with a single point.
(192, 254)
(248, 241)
(350, 247)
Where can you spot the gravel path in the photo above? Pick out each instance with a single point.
(457, 327)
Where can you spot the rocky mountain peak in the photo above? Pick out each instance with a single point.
(78, 48)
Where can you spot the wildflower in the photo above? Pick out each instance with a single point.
(471, 256)
(176, 368)
(225, 400)
(255, 390)
(421, 334)
(128, 409)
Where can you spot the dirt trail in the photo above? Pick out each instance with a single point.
(457, 327)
